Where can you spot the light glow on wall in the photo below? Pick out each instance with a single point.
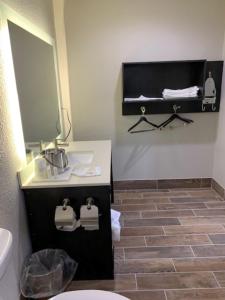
(11, 94)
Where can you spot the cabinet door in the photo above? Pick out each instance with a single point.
(91, 249)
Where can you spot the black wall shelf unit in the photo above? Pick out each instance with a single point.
(150, 78)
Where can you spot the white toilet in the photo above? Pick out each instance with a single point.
(7, 269)
(89, 295)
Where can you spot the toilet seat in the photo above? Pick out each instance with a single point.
(89, 295)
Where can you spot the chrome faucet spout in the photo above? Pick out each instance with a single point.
(59, 143)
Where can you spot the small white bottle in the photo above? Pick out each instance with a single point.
(52, 171)
(40, 167)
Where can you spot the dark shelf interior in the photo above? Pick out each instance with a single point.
(151, 78)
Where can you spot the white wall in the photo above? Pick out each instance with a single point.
(12, 212)
(58, 9)
(219, 165)
(102, 34)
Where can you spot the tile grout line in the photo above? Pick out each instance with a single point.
(124, 258)
(193, 251)
(174, 289)
(180, 221)
(212, 240)
(185, 216)
(171, 246)
(193, 212)
(166, 189)
(178, 235)
(165, 294)
(177, 258)
(174, 265)
(146, 245)
(167, 217)
(217, 282)
(167, 290)
(155, 205)
(194, 224)
(166, 273)
(136, 281)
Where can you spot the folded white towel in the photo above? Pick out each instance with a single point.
(182, 93)
(142, 98)
(86, 171)
(187, 90)
(179, 96)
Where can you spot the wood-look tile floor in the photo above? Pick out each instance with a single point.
(172, 246)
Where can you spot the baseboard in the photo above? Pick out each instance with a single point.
(170, 184)
(218, 188)
(163, 184)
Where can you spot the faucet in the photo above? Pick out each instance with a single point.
(58, 143)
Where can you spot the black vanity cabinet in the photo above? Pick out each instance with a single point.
(91, 249)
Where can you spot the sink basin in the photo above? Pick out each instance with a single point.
(80, 157)
(75, 158)
(5, 250)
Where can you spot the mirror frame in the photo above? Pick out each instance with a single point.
(8, 14)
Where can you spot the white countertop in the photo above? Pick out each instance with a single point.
(102, 158)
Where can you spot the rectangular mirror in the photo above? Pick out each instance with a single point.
(37, 86)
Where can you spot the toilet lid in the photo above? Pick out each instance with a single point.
(89, 295)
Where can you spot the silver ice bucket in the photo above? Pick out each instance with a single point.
(56, 157)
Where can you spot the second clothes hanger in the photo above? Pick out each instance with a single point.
(175, 116)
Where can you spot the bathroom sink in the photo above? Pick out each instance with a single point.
(80, 157)
(75, 158)
(5, 250)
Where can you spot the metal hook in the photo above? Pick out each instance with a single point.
(90, 202)
(143, 110)
(203, 107)
(175, 108)
(65, 203)
(213, 107)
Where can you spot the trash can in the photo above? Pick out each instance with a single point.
(46, 273)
